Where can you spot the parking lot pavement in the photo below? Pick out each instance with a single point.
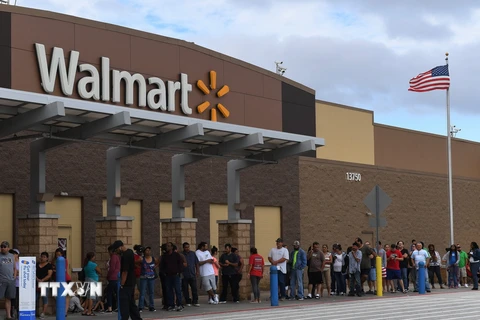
(451, 304)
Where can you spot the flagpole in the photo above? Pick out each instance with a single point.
(449, 152)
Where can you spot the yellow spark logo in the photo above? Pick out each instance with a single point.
(220, 93)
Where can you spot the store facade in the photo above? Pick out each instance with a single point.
(83, 101)
(148, 85)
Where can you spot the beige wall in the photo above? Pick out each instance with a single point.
(267, 229)
(420, 151)
(217, 212)
(132, 209)
(6, 212)
(165, 210)
(348, 133)
(69, 226)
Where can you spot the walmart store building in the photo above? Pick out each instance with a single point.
(108, 132)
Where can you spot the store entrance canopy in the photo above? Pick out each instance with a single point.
(55, 121)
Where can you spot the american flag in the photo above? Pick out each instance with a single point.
(436, 79)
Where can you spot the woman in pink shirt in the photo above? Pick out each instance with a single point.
(113, 267)
(216, 265)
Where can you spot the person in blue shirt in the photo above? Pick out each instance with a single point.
(452, 264)
(92, 271)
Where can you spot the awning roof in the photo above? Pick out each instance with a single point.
(56, 117)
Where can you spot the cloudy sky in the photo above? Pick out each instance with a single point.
(358, 53)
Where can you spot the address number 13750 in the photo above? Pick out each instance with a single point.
(353, 176)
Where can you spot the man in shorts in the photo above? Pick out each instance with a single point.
(317, 265)
(207, 273)
(394, 256)
(462, 266)
(7, 277)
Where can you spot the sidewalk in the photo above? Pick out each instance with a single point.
(231, 307)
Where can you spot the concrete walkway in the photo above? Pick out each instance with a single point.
(244, 306)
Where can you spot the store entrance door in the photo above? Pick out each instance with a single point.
(65, 242)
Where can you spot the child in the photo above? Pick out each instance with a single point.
(98, 305)
(75, 305)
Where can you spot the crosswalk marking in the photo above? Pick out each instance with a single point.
(458, 305)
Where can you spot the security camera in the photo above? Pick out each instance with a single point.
(368, 214)
(278, 62)
(282, 72)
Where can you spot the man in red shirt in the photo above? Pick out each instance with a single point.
(394, 256)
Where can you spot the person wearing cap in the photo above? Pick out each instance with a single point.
(8, 273)
(15, 301)
(299, 262)
(127, 307)
(279, 257)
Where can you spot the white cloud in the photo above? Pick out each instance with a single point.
(353, 52)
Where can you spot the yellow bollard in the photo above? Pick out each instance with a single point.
(379, 276)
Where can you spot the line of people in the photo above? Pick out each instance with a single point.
(337, 270)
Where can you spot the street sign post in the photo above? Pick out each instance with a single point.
(377, 201)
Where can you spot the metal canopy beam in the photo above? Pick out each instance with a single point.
(115, 154)
(38, 149)
(179, 162)
(234, 167)
(90, 129)
(29, 119)
(285, 152)
(232, 145)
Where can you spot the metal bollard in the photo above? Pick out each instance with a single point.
(273, 286)
(61, 299)
(421, 277)
(119, 315)
(378, 266)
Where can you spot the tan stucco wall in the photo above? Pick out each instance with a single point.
(69, 225)
(217, 212)
(6, 212)
(268, 227)
(420, 151)
(348, 133)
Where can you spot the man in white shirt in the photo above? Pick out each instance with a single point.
(420, 255)
(278, 257)
(207, 274)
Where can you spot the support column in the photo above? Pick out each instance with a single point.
(179, 162)
(237, 233)
(233, 187)
(114, 156)
(108, 230)
(179, 231)
(37, 177)
(37, 234)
